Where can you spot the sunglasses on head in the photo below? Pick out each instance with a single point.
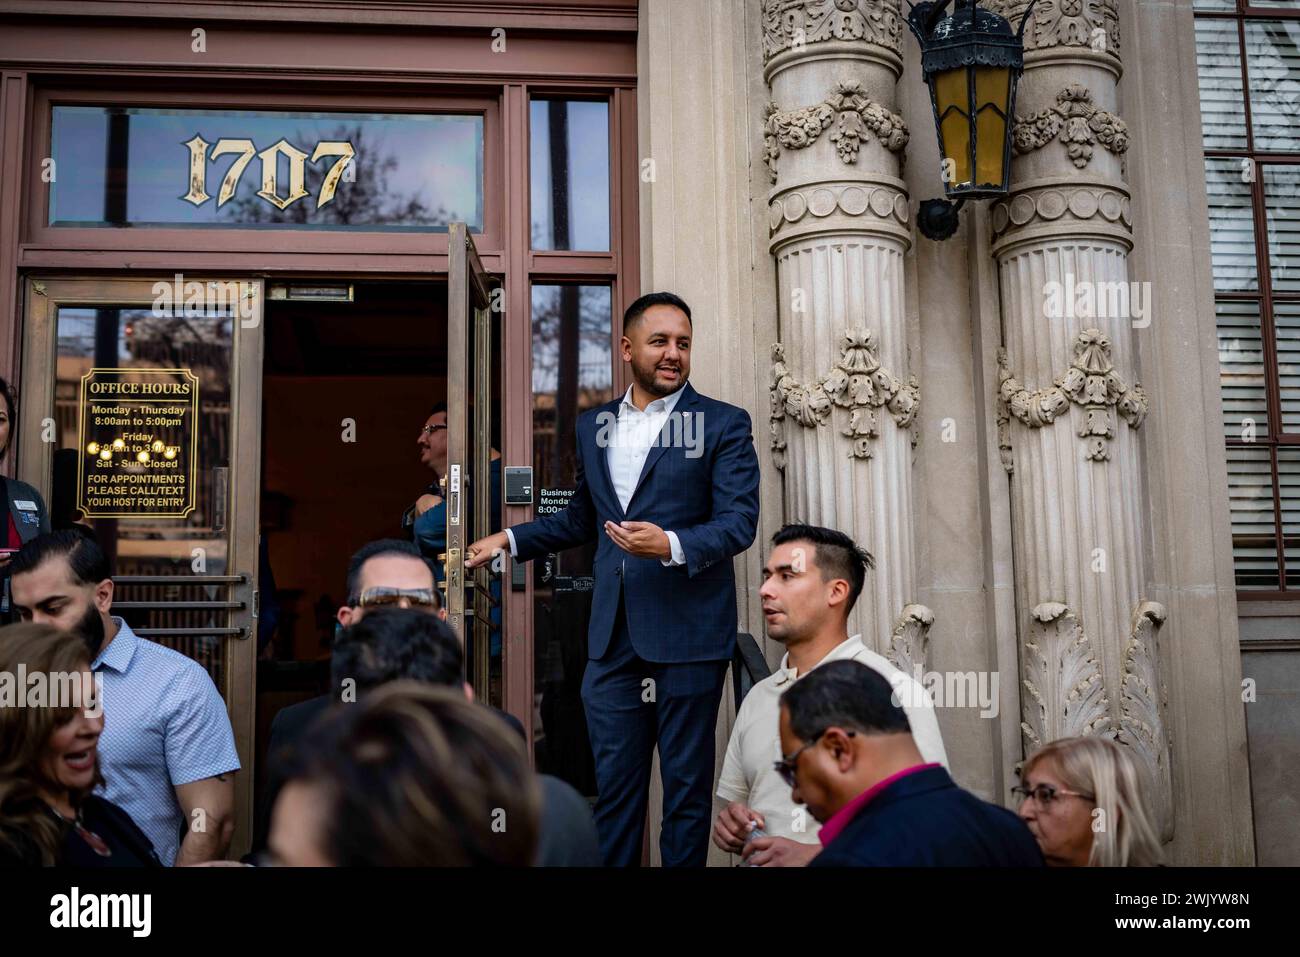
(413, 597)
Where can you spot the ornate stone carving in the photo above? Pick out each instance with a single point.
(782, 382)
(1064, 693)
(1076, 122)
(879, 202)
(909, 644)
(789, 24)
(1142, 698)
(1091, 382)
(848, 109)
(1077, 205)
(1073, 23)
(857, 383)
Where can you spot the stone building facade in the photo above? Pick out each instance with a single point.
(1043, 488)
(1022, 423)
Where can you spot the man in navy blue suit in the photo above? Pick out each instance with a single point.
(848, 754)
(668, 490)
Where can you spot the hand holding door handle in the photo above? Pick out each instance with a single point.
(481, 552)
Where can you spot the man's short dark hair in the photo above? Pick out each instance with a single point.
(437, 407)
(838, 556)
(635, 311)
(385, 546)
(388, 644)
(843, 694)
(86, 560)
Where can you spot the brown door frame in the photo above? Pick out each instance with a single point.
(43, 297)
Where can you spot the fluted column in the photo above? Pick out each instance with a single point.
(843, 401)
(1071, 406)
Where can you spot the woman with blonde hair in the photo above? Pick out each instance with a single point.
(50, 722)
(1083, 800)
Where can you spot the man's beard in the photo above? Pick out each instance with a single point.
(645, 378)
(91, 630)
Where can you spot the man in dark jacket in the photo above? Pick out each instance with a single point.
(848, 754)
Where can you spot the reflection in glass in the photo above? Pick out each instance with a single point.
(1254, 529)
(1286, 328)
(1273, 65)
(1282, 208)
(1288, 487)
(138, 338)
(1232, 226)
(569, 163)
(154, 167)
(572, 372)
(1241, 370)
(1218, 65)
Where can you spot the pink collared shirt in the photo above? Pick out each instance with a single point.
(841, 818)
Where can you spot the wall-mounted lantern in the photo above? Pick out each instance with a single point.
(972, 60)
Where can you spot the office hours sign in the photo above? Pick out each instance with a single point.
(137, 435)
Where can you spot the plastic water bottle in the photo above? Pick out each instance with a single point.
(754, 831)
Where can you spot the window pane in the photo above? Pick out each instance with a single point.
(569, 149)
(121, 465)
(1241, 370)
(1286, 326)
(572, 372)
(1273, 62)
(155, 167)
(1254, 537)
(1232, 228)
(1282, 210)
(1288, 483)
(1218, 64)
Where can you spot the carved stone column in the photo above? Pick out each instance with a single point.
(843, 402)
(1071, 406)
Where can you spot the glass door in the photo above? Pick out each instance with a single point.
(140, 410)
(473, 480)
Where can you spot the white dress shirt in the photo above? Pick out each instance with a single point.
(748, 772)
(625, 454)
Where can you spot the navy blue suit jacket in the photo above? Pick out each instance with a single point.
(925, 820)
(710, 500)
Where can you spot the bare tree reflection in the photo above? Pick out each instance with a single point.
(365, 200)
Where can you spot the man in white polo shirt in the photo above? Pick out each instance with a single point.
(810, 583)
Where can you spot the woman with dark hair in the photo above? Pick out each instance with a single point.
(48, 760)
(22, 514)
(413, 775)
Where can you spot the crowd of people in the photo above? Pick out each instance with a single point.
(836, 759)
(399, 765)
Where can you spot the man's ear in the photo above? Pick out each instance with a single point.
(345, 615)
(841, 748)
(838, 592)
(469, 691)
(104, 595)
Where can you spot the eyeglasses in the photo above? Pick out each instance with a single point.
(787, 766)
(422, 598)
(1045, 795)
(430, 429)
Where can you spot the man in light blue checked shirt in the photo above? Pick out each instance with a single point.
(167, 753)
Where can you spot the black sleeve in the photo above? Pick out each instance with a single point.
(17, 849)
(124, 830)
